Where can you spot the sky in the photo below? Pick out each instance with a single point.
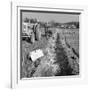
(57, 17)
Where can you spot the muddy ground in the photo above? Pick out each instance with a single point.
(61, 55)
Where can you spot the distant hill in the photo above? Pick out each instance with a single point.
(67, 25)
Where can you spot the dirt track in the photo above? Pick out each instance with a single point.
(59, 58)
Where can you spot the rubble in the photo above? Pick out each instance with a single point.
(36, 54)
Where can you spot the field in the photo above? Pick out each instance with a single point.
(72, 37)
(61, 55)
